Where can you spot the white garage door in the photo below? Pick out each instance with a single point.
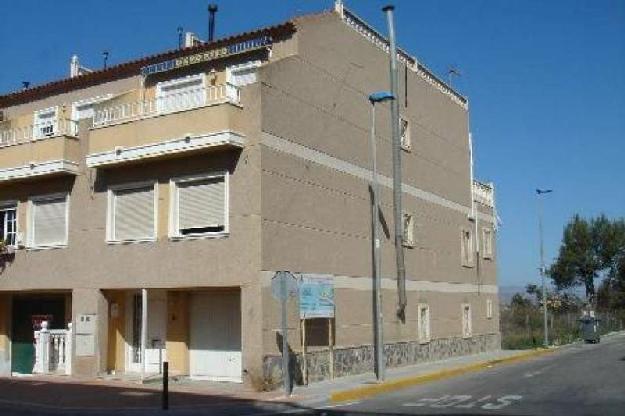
(216, 336)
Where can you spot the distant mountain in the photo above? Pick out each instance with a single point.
(506, 293)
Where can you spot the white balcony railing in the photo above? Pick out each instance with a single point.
(53, 350)
(484, 193)
(168, 103)
(38, 131)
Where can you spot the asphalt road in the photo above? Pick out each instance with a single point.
(576, 380)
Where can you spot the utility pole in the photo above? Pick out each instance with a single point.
(541, 192)
(378, 321)
(397, 209)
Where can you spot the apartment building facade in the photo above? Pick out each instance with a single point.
(149, 205)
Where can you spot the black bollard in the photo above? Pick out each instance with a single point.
(165, 398)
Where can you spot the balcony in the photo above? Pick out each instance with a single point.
(200, 119)
(47, 148)
(484, 193)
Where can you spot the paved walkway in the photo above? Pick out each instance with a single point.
(71, 394)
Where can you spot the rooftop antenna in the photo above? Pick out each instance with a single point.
(105, 56)
(452, 72)
(25, 85)
(180, 36)
(212, 10)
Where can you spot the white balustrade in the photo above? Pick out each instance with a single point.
(38, 131)
(484, 193)
(53, 350)
(167, 103)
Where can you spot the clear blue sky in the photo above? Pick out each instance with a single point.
(545, 79)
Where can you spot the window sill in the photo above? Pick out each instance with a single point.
(487, 257)
(126, 242)
(468, 266)
(207, 236)
(50, 247)
(467, 336)
(407, 149)
(408, 244)
(425, 341)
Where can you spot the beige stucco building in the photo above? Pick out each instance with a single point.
(183, 181)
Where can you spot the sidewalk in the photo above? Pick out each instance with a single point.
(67, 394)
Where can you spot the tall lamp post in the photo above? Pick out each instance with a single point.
(540, 193)
(380, 359)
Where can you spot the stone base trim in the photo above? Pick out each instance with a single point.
(358, 360)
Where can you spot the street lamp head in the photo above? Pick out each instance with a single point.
(543, 191)
(380, 96)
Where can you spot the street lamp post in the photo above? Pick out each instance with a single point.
(380, 358)
(539, 193)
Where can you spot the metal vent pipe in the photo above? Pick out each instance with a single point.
(212, 10)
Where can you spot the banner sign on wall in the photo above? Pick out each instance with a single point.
(316, 297)
(228, 50)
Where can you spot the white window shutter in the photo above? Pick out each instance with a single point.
(50, 222)
(201, 203)
(134, 214)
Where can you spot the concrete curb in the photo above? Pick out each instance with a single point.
(362, 392)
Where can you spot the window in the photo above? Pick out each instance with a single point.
(466, 250)
(132, 213)
(408, 239)
(45, 123)
(423, 319)
(242, 74)
(199, 206)
(8, 223)
(466, 320)
(85, 108)
(489, 309)
(48, 221)
(181, 93)
(404, 133)
(487, 242)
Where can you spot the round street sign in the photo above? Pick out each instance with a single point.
(289, 280)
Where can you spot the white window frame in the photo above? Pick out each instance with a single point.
(241, 67)
(408, 239)
(11, 205)
(487, 243)
(31, 221)
(428, 328)
(174, 230)
(466, 324)
(88, 102)
(466, 253)
(406, 143)
(489, 309)
(37, 134)
(173, 83)
(110, 211)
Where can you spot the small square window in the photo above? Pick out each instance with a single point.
(200, 206)
(466, 249)
(404, 134)
(409, 230)
(467, 328)
(487, 243)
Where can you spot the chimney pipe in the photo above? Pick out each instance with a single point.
(212, 9)
(25, 85)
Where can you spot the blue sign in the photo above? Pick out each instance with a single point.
(316, 297)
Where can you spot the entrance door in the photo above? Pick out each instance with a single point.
(216, 336)
(155, 352)
(28, 312)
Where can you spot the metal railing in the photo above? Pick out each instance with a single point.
(38, 131)
(484, 193)
(167, 103)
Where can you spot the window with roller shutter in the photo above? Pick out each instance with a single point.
(199, 206)
(48, 221)
(132, 213)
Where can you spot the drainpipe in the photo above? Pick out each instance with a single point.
(144, 329)
(397, 209)
(474, 216)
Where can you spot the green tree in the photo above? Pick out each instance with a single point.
(590, 249)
